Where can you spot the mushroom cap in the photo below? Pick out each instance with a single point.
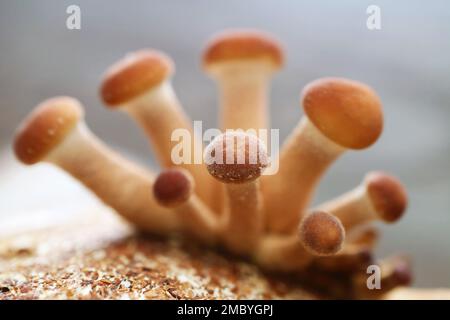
(134, 75)
(243, 45)
(346, 111)
(173, 187)
(322, 233)
(236, 157)
(387, 195)
(46, 127)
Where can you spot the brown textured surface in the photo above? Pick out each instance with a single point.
(243, 45)
(101, 258)
(45, 127)
(134, 75)
(322, 233)
(346, 111)
(388, 195)
(97, 256)
(248, 157)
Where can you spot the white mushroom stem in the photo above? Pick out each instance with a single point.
(159, 113)
(243, 221)
(198, 220)
(116, 181)
(304, 158)
(243, 96)
(353, 208)
(282, 253)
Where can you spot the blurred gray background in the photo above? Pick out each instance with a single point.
(407, 62)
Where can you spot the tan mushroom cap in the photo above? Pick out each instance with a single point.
(347, 112)
(322, 233)
(387, 194)
(173, 187)
(45, 127)
(242, 157)
(236, 45)
(135, 74)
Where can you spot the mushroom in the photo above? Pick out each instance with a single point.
(320, 234)
(55, 132)
(174, 188)
(265, 218)
(380, 197)
(341, 114)
(242, 62)
(238, 159)
(356, 253)
(139, 84)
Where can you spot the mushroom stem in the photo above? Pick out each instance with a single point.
(365, 236)
(379, 197)
(243, 219)
(116, 181)
(160, 114)
(199, 220)
(282, 253)
(304, 158)
(243, 99)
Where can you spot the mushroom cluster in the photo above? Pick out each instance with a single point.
(231, 204)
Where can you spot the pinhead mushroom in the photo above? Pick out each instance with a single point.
(387, 194)
(319, 234)
(322, 233)
(174, 188)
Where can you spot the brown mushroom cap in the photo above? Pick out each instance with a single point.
(322, 233)
(248, 157)
(347, 112)
(247, 45)
(387, 194)
(135, 74)
(45, 127)
(173, 187)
